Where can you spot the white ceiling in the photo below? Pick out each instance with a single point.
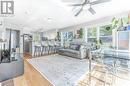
(44, 15)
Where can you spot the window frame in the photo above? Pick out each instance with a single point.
(98, 36)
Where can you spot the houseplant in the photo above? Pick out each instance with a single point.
(115, 23)
(58, 36)
(119, 23)
(98, 43)
(81, 33)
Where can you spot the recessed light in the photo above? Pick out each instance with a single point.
(49, 19)
(27, 12)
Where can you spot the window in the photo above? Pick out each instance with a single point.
(68, 36)
(65, 36)
(92, 34)
(105, 34)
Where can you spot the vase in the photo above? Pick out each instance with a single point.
(128, 27)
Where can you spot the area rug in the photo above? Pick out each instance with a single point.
(60, 70)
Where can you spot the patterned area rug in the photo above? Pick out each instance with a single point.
(60, 70)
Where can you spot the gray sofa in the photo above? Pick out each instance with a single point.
(12, 69)
(74, 50)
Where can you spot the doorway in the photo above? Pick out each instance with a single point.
(27, 44)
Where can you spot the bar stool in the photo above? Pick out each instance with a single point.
(57, 46)
(51, 47)
(37, 50)
(44, 48)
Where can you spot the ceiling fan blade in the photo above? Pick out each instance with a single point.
(79, 11)
(92, 11)
(75, 4)
(85, 1)
(99, 1)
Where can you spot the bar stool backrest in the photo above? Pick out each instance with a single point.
(51, 43)
(44, 43)
(37, 44)
(56, 43)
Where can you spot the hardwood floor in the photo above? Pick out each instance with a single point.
(31, 76)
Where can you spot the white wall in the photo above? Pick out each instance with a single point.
(50, 34)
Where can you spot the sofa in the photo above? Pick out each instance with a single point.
(75, 50)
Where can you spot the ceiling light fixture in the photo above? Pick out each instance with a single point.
(49, 19)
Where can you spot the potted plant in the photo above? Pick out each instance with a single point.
(98, 43)
(115, 23)
(81, 33)
(58, 36)
(118, 23)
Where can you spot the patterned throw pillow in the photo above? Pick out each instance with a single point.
(72, 46)
(75, 46)
(78, 47)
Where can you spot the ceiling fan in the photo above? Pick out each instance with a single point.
(90, 4)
